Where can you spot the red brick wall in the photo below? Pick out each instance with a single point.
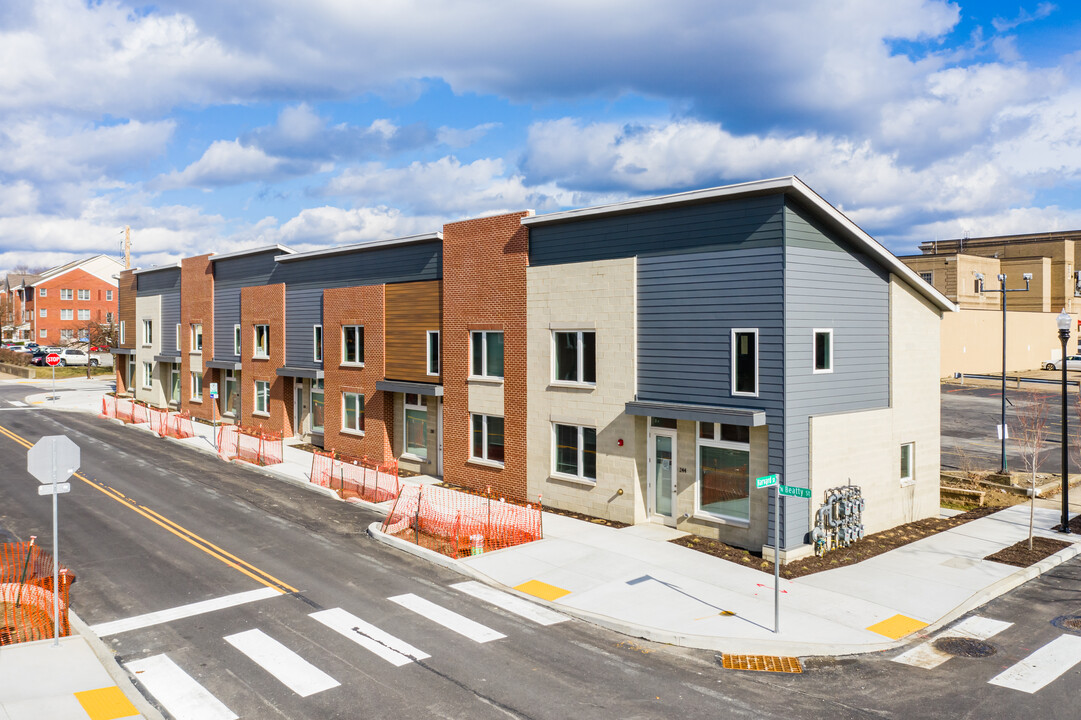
(365, 305)
(484, 288)
(264, 305)
(74, 280)
(197, 306)
(126, 312)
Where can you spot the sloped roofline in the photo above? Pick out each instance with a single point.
(361, 247)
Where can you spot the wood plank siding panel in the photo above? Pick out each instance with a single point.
(126, 290)
(828, 285)
(412, 309)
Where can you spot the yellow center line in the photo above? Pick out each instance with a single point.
(181, 532)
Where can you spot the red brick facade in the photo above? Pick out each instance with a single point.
(365, 305)
(197, 306)
(98, 308)
(264, 305)
(484, 288)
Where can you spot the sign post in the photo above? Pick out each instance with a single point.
(51, 460)
(772, 481)
(52, 360)
(213, 405)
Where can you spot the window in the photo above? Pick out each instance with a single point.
(487, 438)
(433, 352)
(67, 334)
(724, 470)
(823, 351)
(174, 384)
(196, 386)
(108, 295)
(907, 458)
(84, 294)
(575, 451)
(148, 375)
(109, 318)
(262, 396)
(317, 406)
(148, 331)
(416, 426)
(231, 395)
(352, 345)
(123, 331)
(43, 313)
(575, 357)
(317, 343)
(976, 286)
(744, 362)
(84, 314)
(130, 379)
(43, 333)
(353, 412)
(65, 294)
(262, 341)
(178, 337)
(197, 337)
(67, 314)
(236, 340)
(487, 353)
(928, 277)
(43, 292)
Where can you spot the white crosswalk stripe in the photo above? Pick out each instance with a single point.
(18, 403)
(293, 671)
(511, 603)
(447, 618)
(178, 692)
(926, 655)
(1043, 666)
(395, 651)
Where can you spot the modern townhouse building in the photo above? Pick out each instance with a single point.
(642, 362)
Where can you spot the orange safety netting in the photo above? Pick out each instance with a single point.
(124, 409)
(167, 424)
(248, 444)
(356, 477)
(458, 524)
(26, 594)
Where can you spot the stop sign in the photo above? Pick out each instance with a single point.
(52, 359)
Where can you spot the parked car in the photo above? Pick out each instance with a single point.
(1073, 362)
(73, 356)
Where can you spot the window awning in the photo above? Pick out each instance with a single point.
(747, 417)
(300, 372)
(122, 351)
(167, 359)
(224, 364)
(403, 386)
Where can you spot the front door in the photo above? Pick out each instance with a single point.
(661, 457)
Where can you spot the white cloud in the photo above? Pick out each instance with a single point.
(327, 225)
(224, 163)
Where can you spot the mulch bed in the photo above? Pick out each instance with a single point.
(1019, 555)
(868, 547)
(1075, 525)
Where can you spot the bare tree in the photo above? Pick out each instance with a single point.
(1032, 416)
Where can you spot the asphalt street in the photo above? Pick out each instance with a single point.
(157, 526)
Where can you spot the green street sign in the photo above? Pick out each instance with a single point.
(766, 481)
(792, 491)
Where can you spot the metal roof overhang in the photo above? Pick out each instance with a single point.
(299, 372)
(748, 417)
(409, 387)
(167, 359)
(122, 351)
(224, 364)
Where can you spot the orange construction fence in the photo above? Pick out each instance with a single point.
(457, 524)
(167, 424)
(124, 409)
(26, 594)
(251, 445)
(356, 477)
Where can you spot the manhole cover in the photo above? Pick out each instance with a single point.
(964, 647)
(1069, 623)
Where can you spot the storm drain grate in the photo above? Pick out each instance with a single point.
(762, 663)
(1069, 623)
(964, 647)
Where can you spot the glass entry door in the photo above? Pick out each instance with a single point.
(661, 457)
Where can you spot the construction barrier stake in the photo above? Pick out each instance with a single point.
(22, 577)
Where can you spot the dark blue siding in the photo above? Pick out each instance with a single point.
(158, 282)
(230, 275)
(303, 310)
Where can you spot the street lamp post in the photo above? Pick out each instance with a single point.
(1063, 320)
(1002, 281)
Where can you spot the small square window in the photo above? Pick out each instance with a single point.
(43, 312)
(352, 345)
(65, 294)
(44, 333)
(575, 357)
(43, 292)
(84, 294)
(67, 314)
(823, 351)
(108, 296)
(84, 314)
(487, 353)
(575, 451)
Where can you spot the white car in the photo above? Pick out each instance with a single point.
(73, 356)
(1073, 362)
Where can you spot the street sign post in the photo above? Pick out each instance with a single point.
(791, 491)
(773, 480)
(766, 481)
(52, 360)
(51, 460)
(213, 390)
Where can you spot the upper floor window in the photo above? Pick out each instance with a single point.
(744, 361)
(196, 337)
(123, 331)
(262, 341)
(43, 312)
(108, 295)
(148, 332)
(236, 340)
(84, 314)
(43, 333)
(109, 318)
(67, 334)
(178, 337)
(928, 277)
(67, 314)
(575, 357)
(43, 292)
(352, 344)
(433, 352)
(487, 353)
(65, 294)
(317, 343)
(84, 294)
(823, 351)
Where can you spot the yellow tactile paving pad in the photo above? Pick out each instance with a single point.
(897, 627)
(107, 703)
(763, 663)
(543, 590)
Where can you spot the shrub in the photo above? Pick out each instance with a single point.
(14, 358)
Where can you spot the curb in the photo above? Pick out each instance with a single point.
(118, 674)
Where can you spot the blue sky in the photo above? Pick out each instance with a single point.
(210, 126)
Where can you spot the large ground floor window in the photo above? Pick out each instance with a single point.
(724, 470)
